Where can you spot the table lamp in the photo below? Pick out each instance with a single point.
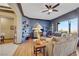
(37, 28)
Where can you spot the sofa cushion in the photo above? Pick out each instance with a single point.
(58, 39)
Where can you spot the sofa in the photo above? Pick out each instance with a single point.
(61, 46)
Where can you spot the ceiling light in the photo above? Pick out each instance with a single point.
(50, 10)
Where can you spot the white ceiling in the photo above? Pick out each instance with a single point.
(4, 4)
(33, 10)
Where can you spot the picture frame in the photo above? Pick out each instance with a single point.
(12, 27)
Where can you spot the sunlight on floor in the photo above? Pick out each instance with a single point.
(8, 49)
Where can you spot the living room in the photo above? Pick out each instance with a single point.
(40, 31)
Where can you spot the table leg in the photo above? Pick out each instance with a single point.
(36, 52)
(44, 51)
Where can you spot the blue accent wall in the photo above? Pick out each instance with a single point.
(26, 30)
(45, 24)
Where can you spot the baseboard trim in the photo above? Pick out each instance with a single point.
(8, 38)
(17, 43)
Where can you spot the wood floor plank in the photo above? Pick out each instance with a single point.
(25, 49)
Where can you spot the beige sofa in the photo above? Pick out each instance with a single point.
(64, 47)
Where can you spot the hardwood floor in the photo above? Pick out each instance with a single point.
(25, 49)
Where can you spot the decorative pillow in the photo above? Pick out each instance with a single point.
(64, 36)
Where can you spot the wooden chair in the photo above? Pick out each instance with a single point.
(40, 49)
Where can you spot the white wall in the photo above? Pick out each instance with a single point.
(18, 20)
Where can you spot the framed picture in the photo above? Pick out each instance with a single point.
(12, 27)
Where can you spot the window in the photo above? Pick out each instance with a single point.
(69, 26)
(74, 25)
(63, 26)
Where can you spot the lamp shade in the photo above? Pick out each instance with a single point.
(37, 25)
